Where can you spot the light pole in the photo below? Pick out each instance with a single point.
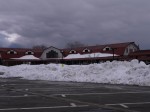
(113, 50)
(0, 58)
(62, 58)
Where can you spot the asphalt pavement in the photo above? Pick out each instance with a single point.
(20, 95)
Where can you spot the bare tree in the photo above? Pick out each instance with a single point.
(39, 47)
(74, 44)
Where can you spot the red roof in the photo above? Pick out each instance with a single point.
(20, 52)
(120, 48)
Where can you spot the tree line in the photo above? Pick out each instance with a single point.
(69, 45)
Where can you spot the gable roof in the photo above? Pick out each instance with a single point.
(51, 47)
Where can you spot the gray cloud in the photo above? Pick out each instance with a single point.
(56, 22)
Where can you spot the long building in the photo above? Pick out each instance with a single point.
(87, 54)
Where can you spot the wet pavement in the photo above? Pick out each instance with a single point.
(19, 95)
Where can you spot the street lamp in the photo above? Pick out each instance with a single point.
(62, 53)
(113, 50)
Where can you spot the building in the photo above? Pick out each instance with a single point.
(118, 51)
(9, 53)
(142, 55)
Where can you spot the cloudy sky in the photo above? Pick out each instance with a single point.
(25, 23)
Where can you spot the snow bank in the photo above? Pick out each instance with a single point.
(116, 72)
(71, 56)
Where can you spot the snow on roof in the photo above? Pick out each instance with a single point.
(91, 55)
(27, 57)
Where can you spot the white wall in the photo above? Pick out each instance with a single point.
(131, 47)
(43, 56)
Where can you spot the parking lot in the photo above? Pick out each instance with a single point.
(45, 96)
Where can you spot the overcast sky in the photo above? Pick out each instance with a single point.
(25, 23)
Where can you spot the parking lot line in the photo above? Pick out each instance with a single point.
(17, 96)
(36, 108)
(103, 93)
(48, 88)
(123, 105)
(136, 103)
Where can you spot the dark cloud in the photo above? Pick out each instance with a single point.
(56, 22)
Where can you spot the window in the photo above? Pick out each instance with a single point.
(11, 52)
(72, 52)
(29, 53)
(52, 54)
(86, 50)
(107, 49)
(127, 50)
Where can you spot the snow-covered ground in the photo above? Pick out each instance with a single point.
(116, 72)
(71, 56)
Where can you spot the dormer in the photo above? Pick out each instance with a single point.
(107, 48)
(86, 50)
(73, 52)
(29, 53)
(11, 52)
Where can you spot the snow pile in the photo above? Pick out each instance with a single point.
(71, 56)
(27, 57)
(132, 73)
